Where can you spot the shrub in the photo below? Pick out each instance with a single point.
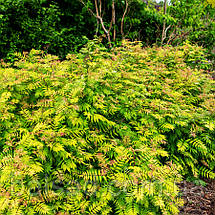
(103, 133)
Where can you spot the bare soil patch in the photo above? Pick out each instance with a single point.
(198, 199)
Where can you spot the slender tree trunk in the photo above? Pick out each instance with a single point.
(123, 18)
(164, 24)
(99, 17)
(114, 20)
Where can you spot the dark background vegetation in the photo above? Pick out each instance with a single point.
(63, 26)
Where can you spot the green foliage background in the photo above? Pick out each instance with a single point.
(42, 25)
(64, 26)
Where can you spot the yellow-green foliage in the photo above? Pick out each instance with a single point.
(103, 133)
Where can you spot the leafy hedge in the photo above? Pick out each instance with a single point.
(104, 133)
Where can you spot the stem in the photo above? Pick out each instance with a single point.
(164, 24)
(98, 16)
(114, 20)
(123, 17)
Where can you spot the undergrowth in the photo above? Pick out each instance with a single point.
(104, 132)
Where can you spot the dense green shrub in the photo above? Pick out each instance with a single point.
(44, 25)
(103, 133)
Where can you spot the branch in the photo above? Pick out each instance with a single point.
(123, 17)
(100, 8)
(98, 16)
(164, 37)
(178, 36)
(171, 36)
(92, 13)
(114, 20)
(164, 24)
(97, 11)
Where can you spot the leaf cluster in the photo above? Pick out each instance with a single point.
(103, 133)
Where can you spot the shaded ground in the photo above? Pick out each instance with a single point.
(199, 200)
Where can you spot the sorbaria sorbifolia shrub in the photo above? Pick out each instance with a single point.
(103, 133)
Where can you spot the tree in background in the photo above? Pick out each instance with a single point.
(63, 26)
(55, 26)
